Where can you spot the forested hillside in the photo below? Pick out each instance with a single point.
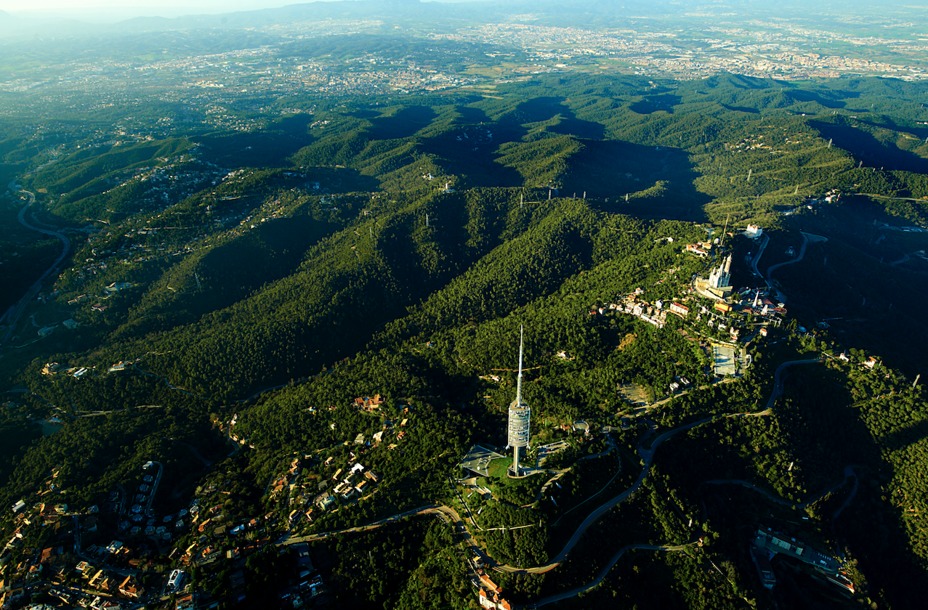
(259, 310)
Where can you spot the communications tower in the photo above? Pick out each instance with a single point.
(519, 417)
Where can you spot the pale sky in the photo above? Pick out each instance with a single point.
(96, 9)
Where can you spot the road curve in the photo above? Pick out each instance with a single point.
(559, 597)
(802, 255)
(849, 473)
(17, 310)
(765, 239)
(647, 455)
(778, 377)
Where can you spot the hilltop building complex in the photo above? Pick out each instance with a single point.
(718, 286)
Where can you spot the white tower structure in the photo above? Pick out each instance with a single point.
(721, 277)
(519, 417)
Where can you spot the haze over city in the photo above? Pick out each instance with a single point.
(495, 305)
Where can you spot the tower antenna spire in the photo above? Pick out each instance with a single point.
(519, 379)
(519, 416)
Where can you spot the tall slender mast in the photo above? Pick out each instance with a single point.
(519, 379)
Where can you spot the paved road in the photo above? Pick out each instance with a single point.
(447, 511)
(802, 255)
(806, 239)
(848, 474)
(639, 411)
(778, 378)
(760, 252)
(17, 310)
(559, 597)
(647, 455)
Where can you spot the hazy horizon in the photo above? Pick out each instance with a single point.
(110, 10)
(120, 9)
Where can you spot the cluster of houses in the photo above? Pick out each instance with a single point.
(103, 577)
(761, 307)
(110, 290)
(50, 369)
(142, 499)
(307, 496)
(116, 574)
(107, 582)
(489, 594)
(633, 305)
(353, 482)
(303, 495)
(702, 249)
(308, 585)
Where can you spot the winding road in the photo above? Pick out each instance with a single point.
(647, 454)
(765, 239)
(564, 595)
(773, 497)
(778, 378)
(16, 312)
(807, 238)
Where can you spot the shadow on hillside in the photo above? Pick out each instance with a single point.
(746, 109)
(849, 281)
(811, 96)
(270, 147)
(829, 435)
(912, 433)
(612, 169)
(655, 103)
(866, 147)
(401, 124)
(339, 180)
(468, 150)
(542, 109)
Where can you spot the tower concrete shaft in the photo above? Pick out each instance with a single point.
(519, 415)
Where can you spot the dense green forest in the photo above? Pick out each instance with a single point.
(231, 294)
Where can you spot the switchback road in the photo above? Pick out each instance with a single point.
(16, 312)
(647, 455)
(559, 597)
